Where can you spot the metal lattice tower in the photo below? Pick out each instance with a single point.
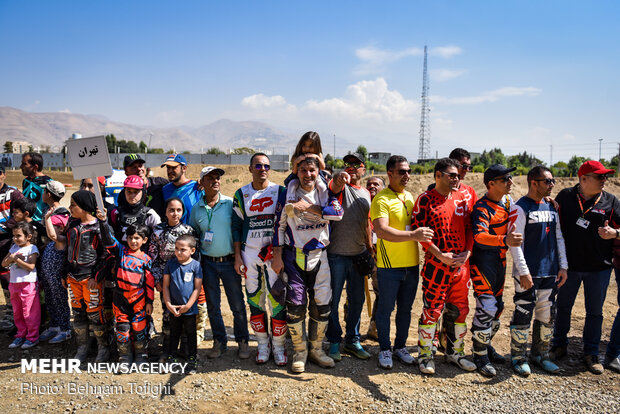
(424, 152)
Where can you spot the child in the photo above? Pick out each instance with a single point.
(161, 249)
(131, 209)
(53, 266)
(182, 282)
(23, 286)
(309, 145)
(134, 291)
(86, 259)
(23, 210)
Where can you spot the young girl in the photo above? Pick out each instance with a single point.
(309, 145)
(161, 249)
(23, 286)
(51, 276)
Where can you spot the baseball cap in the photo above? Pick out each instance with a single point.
(593, 167)
(209, 169)
(353, 157)
(56, 188)
(133, 181)
(174, 159)
(101, 180)
(60, 219)
(496, 171)
(130, 159)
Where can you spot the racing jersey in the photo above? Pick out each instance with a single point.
(161, 246)
(189, 193)
(490, 224)
(449, 219)
(542, 252)
(254, 215)
(33, 189)
(305, 231)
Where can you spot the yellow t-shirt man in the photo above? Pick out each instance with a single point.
(397, 208)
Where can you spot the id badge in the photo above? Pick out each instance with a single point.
(208, 236)
(187, 277)
(581, 222)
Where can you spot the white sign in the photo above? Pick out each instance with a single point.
(89, 158)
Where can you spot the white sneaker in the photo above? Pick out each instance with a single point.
(427, 366)
(460, 361)
(262, 353)
(279, 356)
(385, 359)
(404, 356)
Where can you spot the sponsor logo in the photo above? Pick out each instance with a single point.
(311, 226)
(260, 204)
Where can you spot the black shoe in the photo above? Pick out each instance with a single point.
(494, 357)
(192, 365)
(558, 352)
(484, 365)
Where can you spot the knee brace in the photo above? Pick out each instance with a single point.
(451, 313)
(320, 313)
(295, 313)
(79, 316)
(122, 332)
(96, 318)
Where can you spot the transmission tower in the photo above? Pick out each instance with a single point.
(424, 152)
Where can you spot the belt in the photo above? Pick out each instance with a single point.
(221, 259)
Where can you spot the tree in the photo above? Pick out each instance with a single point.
(524, 160)
(495, 156)
(156, 151)
(215, 151)
(8, 147)
(243, 150)
(361, 150)
(142, 146)
(573, 165)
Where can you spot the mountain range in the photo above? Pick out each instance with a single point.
(53, 128)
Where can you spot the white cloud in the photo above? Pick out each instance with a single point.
(440, 75)
(375, 60)
(367, 100)
(260, 101)
(446, 51)
(491, 96)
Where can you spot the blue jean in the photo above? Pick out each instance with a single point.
(212, 274)
(613, 347)
(594, 288)
(396, 287)
(342, 270)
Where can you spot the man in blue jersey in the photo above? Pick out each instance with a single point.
(539, 269)
(35, 181)
(180, 185)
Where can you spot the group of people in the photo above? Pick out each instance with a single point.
(296, 247)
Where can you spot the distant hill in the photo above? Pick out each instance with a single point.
(53, 128)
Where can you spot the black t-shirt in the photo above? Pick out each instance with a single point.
(154, 196)
(585, 249)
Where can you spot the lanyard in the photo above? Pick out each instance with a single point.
(402, 201)
(209, 211)
(583, 213)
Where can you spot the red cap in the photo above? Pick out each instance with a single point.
(101, 180)
(133, 181)
(593, 167)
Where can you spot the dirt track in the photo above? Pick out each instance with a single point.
(228, 384)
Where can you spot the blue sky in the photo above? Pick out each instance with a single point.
(520, 75)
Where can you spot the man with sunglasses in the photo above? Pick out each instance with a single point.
(254, 207)
(586, 212)
(349, 239)
(539, 269)
(493, 234)
(445, 279)
(397, 259)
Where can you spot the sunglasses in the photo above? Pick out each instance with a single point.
(547, 181)
(402, 172)
(453, 176)
(599, 177)
(504, 179)
(467, 167)
(355, 165)
(261, 166)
